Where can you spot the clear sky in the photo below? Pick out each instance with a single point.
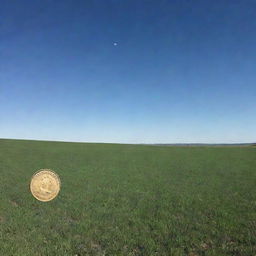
(128, 71)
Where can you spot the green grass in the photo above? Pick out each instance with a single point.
(129, 200)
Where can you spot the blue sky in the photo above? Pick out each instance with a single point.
(128, 71)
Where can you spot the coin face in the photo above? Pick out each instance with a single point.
(45, 185)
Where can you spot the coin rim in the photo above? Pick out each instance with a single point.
(52, 172)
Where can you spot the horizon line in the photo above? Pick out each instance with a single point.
(156, 143)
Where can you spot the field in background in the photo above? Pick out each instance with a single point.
(129, 200)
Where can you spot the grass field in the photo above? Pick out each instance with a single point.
(129, 200)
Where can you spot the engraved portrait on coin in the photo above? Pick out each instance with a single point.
(45, 185)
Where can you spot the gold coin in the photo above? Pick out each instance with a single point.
(45, 185)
